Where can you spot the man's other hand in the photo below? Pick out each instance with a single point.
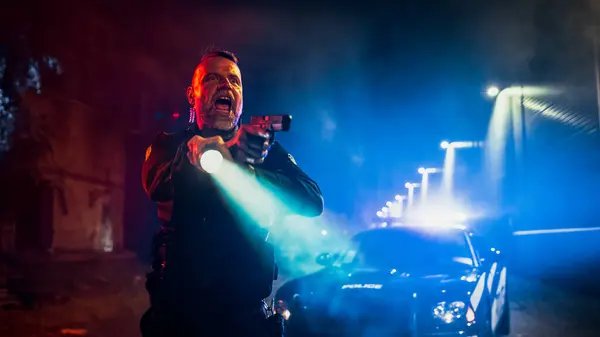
(253, 144)
(198, 145)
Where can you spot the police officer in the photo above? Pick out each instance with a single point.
(210, 272)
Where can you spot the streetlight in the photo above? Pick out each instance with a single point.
(509, 116)
(445, 145)
(450, 159)
(385, 212)
(411, 192)
(425, 172)
(492, 91)
(428, 170)
(396, 207)
(393, 209)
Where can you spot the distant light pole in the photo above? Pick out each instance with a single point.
(384, 212)
(425, 172)
(450, 161)
(512, 93)
(397, 206)
(411, 193)
(508, 102)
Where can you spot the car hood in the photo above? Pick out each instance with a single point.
(330, 282)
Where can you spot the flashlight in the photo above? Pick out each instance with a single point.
(211, 160)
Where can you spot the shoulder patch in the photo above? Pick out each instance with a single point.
(148, 152)
(292, 159)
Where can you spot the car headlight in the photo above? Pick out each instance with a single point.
(282, 308)
(449, 312)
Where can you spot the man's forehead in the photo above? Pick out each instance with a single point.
(219, 65)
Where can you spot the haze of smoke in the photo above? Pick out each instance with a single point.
(544, 40)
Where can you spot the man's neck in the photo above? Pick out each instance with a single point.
(206, 132)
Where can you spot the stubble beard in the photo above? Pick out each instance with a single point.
(213, 119)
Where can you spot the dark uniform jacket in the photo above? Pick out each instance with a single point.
(203, 247)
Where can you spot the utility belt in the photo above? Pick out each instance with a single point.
(249, 274)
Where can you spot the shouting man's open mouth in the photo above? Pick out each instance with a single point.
(223, 103)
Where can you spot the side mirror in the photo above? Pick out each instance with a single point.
(324, 259)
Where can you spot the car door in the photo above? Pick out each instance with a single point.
(493, 263)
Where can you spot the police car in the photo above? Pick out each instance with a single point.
(401, 281)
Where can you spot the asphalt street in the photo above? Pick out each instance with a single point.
(537, 310)
(548, 311)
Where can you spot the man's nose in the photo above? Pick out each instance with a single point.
(224, 83)
(223, 87)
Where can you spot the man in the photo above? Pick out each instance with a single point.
(210, 273)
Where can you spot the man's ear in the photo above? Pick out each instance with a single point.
(190, 95)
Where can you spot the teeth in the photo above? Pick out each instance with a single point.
(225, 98)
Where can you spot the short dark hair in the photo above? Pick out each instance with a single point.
(217, 52)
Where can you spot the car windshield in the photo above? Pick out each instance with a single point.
(409, 249)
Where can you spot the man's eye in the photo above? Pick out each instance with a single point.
(234, 80)
(210, 78)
